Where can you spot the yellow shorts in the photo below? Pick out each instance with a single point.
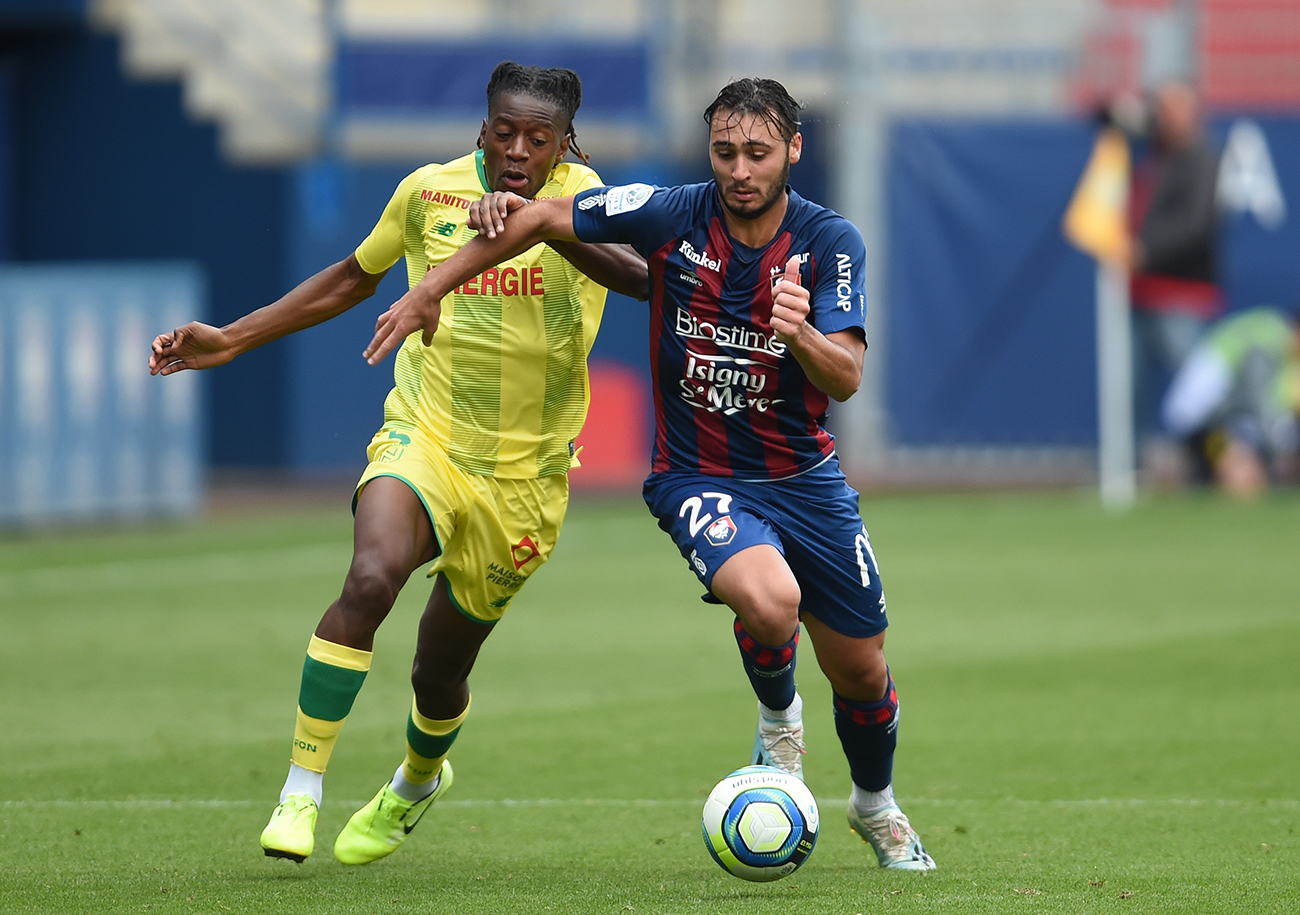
(494, 533)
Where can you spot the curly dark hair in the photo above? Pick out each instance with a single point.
(557, 85)
(764, 97)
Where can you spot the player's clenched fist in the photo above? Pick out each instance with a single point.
(790, 304)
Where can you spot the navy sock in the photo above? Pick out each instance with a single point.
(770, 668)
(868, 732)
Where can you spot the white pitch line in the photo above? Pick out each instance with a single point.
(163, 804)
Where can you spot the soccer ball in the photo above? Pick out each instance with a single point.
(760, 823)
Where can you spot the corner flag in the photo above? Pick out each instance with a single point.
(1096, 220)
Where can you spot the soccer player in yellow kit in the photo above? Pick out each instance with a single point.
(469, 470)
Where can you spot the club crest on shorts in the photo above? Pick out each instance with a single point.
(524, 551)
(720, 532)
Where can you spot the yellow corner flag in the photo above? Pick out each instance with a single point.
(1096, 221)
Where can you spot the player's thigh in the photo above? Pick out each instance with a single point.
(391, 526)
(507, 533)
(406, 500)
(758, 577)
(758, 585)
(448, 638)
(830, 552)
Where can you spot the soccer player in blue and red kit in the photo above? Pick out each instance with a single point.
(756, 322)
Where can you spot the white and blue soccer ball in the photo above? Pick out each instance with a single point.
(760, 823)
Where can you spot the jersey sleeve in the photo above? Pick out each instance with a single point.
(839, 298)
(583, 178)
(631, 214)
(384, 246)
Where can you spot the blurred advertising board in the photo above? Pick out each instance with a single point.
(85, 432)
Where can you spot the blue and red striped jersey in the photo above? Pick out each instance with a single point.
(729, 399)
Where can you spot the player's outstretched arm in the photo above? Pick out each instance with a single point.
(200, 346)
(421, 307)
(616, 267)
(833, 363)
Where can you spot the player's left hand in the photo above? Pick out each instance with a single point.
(790, 304)
(417, 310)
(488, 213)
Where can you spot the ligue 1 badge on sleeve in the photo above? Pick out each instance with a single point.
(627, 198)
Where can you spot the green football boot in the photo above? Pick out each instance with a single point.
(292, 831)
(377, 829)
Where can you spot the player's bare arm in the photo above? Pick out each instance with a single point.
(330, 292)
(421, 307)
(833, 363)
(616, 267)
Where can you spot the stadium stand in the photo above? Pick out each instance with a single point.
(1250, 53)
(260, 68)
(1245, 54)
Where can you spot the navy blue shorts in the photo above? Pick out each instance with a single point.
(812, 519)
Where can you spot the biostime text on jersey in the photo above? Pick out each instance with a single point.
(719, 382)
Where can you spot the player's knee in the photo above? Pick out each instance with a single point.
(371, 588)
(770, 610)
(875, 682)
(863, 679)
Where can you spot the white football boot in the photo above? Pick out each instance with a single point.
(779, 744)
(892, 837)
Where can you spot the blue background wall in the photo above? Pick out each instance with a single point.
(990, 318)
(107, 169)
(449, 78)
(6, 152)
(85, 432)
(991, 325)
(1262, 266)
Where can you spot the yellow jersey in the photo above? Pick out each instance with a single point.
(503, 388)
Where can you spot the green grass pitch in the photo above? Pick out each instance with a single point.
(1101, 714)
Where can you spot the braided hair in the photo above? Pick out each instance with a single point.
(560, 86)
(763, 97)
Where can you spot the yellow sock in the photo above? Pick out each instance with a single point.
(427, 744)
(331, 678)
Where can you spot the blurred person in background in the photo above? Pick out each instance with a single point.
(1235, 401)
(757, 322)
(470, 468)
(1174, 220)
